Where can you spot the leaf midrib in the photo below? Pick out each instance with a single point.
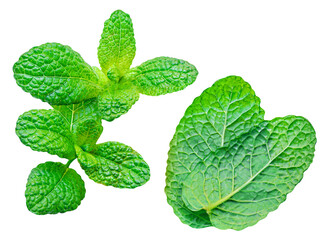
(222, 200)
(51, 189)
(65, 77)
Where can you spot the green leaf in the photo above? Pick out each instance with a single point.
(221, 113)
(53, 188)
(117, 44)
(117, 100)
(173, 190)
(227, 166)
(56, 74)
(162, 75)
(84, 122)
(46, 131)
(240, 184)
(114, 164)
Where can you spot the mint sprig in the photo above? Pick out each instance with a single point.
(81, 96)
(56, 74)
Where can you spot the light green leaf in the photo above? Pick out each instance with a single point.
(117, 44)
(162, 75)
(173, 190)
(221, 113)
(53, 188)
(84, 121)
(56, 74)
(46, 131)
(114, 164)
(240, 184)
(117, 100)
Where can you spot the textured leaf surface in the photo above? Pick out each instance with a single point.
(240, 184)
(46, 131)
(84, 121)
(222, 112)
(53, 188)
(117, 100)
(117, 44)
(56, 74)
(173, 190)
(114, 164)
(163, 75)
(227, 164)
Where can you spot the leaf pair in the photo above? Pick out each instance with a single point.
(227, 166)
(71, 131)
(58, 75)
(58, 130)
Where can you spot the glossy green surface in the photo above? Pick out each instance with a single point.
(84, 122)
(56, 74)
(114, 164)
(117, 46)
(46, 131)
(163, 75)
(117, 100)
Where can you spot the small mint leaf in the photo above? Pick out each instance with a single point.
(53, 188)
(117, 44)
(46, 131)
(162, 75)
(114, 164)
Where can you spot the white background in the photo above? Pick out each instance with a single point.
(279, 47)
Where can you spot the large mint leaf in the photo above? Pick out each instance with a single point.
(117, 100)
(162, 75)
(84, 121)
(114, 164)
(240, 184)
(228, 164)
(117, 44)
(53, 188)
(46, 131)
(56, 74)
(221, 113)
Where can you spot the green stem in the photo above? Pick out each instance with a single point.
(69, 162)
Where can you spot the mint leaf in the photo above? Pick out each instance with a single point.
(254, 174)
(223, 112)
(117, 100)
(56, 74)
(53, 188)
(163, 75)
(228, 164)
(84, 121)
(114, 164)
(46, 131)
(173, 190)
(117, 44)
